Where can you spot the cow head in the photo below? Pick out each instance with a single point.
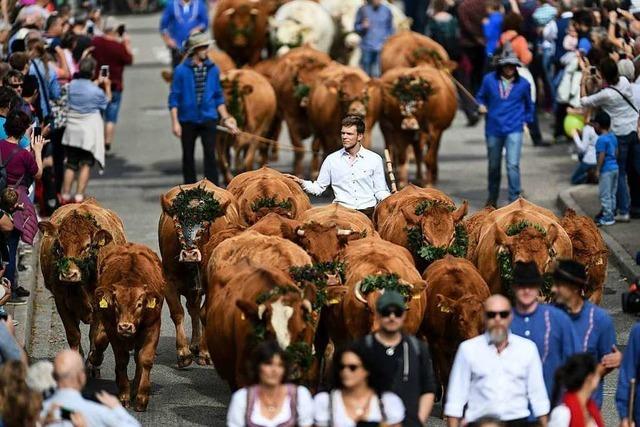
(289, 33)
(128, 306)
(304, 78)
(466, 312)
(437, 221)
(368, 290)
(286, 314)
(532, 244)
(267, 204)
(76, 242)
(352, 92)
(325, 241)
(242, 22)
(411, 92)
(192, 212)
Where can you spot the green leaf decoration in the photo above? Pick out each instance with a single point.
(430, 253)
(235, 104)
(317, 274)
(426, 205)
(519, 226)
(410, 88)
(274, 292)
(299, 354)
(301, 90)
(195, 206)
(270, 202)
(388, 282)
(421, 52)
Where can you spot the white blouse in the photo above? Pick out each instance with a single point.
(238, 410)
(393, 410)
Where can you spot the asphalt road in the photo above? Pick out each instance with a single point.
(146, 162)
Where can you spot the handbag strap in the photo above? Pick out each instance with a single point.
(625, 98)
(13, 153)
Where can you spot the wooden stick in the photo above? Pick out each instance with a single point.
(264, 140)
(392, 177)
(632, 398)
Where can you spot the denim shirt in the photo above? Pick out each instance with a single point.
(380, 26)
(86, 97)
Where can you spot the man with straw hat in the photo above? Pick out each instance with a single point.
(505, 98)
(196, 102)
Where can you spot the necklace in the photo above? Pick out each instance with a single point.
(390, 351)
(270, 402)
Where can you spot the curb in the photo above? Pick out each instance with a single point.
(619, 255)
(24, 313)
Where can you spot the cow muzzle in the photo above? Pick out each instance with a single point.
(410, 123)
(357, 109)
(190, 255)
(304, 102)
(71, 276)
(126, 329)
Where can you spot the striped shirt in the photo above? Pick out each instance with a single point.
(200, 73)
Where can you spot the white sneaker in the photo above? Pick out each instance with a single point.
(623, 218)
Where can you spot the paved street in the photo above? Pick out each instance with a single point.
(146, 162)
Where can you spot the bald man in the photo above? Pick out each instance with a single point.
(497, 373)
(68, 370)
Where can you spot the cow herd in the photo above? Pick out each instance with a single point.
(257, 262)
(311, 81)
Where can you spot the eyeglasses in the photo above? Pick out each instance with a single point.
(350, 367)
(397, 312)
(15, 85)
(492, 314)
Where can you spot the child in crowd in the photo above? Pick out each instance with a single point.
(586, 145)
(607, 169)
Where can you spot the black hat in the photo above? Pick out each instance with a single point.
(570, 271)
(526, 274)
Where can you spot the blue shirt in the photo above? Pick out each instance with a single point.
(492, 29)
(596, 335)
(608, 144)
(551, 330)
(380, 26)
(628, 370)
(24, 141)
(505, 114)
(178, 19)
(183, 93)
(47, 83)
(86, 97)
(9, 349)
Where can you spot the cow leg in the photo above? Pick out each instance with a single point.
(431, 158)
(315, 159)
(274, 134)
(403, 164)
(144, 362)
(223, 158)
(121, 355)
(99, 343)
(296, 141)
(418, 148)
(250, 155)
(177, 315)
(198, 342)
(71, 326)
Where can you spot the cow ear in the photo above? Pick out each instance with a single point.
(48, 228)
(224, 205)
(102, 238)
(501, 237)
(225, 82)
(153, 301)
(289, 229)
(419, 287)
(552, 234)
(459, 213)
(335, 294)
(445, 304)
(247, 89)
(249, 310)
(409, 213)
(103, 297)
(310, 292)
(450, 65)
(165, 203)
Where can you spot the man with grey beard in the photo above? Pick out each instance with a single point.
(497, 373)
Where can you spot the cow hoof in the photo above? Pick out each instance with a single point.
(184, 361)
(194, 348)
(93, 371)
(124, 400)
(204, 359)
(141, 404)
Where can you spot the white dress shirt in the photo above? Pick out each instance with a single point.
(357, 184)
(624, 119)
(499, 384)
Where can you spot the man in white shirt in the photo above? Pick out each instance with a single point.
(497, 373)
(355, 174)
(70, 376)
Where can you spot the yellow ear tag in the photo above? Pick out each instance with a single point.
(151, 303)
(444, 309)
(103, 303)
(242, 316)
(333, 301)
(418, 296)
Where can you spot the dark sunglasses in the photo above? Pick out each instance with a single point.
(15, 85)
(352, 368)
(493, 314)
(398, 312)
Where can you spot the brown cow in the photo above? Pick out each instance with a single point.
(240, 29)
(527, 232)
(454, 312)
(259, 302)
(267, 190)
(589, 249)
(418, 105)
(472, 225)
(410, 49)
(293, 77)
(75, 238)
(252, 101)
(180, 248)
(418, 218)
(352, 314)
(129, 299)
(340, 91)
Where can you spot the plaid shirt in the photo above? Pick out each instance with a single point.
(201, 78)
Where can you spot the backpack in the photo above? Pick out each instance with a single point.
(3, 168)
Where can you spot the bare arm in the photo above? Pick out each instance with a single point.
(454, 422)
(425, 406)
(6, 224)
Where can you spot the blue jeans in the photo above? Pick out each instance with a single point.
(581, 173)
(513, 144)
(547, 69)
(625, 143)
(12, 241)
(370, 62)
(110, 114)
(607, 187)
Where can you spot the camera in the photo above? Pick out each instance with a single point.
(104, 71)
(631, 299)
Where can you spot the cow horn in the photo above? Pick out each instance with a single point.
(306, 304)
(254, 11)
(261, 309)
(343, 232)
(229, 12)
(300, 232)
(405, 283)
(358, 293)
